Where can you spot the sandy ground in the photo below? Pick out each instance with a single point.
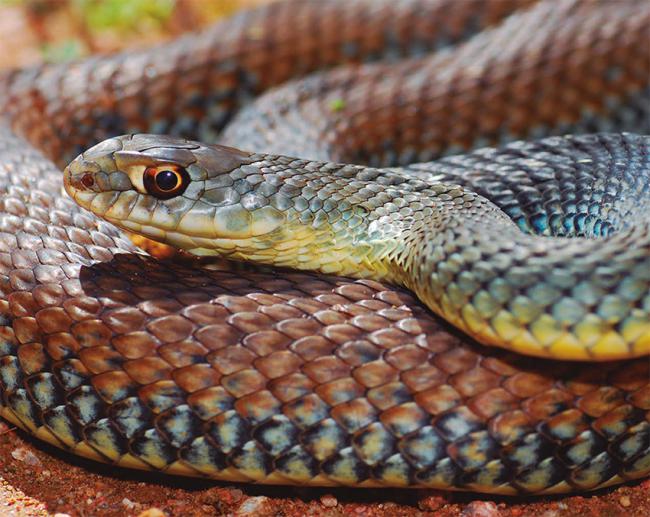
(37, 479)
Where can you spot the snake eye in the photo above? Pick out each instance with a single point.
(166, 181)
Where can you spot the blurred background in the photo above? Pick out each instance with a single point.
(33, 31)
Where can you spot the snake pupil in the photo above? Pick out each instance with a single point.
(167, 180)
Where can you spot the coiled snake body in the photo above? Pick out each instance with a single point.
(542, 247)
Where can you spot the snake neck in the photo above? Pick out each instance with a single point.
(353, 222)
(345, 220)
(343, 245)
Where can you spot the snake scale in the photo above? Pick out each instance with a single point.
(279, 376)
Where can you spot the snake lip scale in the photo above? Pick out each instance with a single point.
(512, 357)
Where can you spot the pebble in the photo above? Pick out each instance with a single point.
(128, 503)
(152, 512)
(625, 501)
(253, 506)
(481, 509)
(26, 456)
(432, 503)
(329, 501)
(236, 494)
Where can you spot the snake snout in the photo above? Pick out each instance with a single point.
(93, 176)
(79, 181)
(79, 175)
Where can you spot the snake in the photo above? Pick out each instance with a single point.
(447, 208)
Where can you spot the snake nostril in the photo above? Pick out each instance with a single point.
(87, 180)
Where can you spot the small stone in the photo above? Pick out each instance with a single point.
(329, 501)
(128, 503)
(481, 509)
(254, 506)
(236, 494)
(26, 456)
(152, 512)
(625, 501)
(432, 503)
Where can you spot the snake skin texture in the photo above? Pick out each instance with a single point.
(285, 377)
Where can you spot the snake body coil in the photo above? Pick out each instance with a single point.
(542, 247)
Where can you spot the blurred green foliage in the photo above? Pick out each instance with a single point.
(107, 14)
(123, 14)
(121, 20)
(64, 51)
(117, 16)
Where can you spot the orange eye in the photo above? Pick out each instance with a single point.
(166, 181)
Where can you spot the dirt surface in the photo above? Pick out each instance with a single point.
(39, 478)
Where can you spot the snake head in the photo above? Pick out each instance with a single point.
(171, 190)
